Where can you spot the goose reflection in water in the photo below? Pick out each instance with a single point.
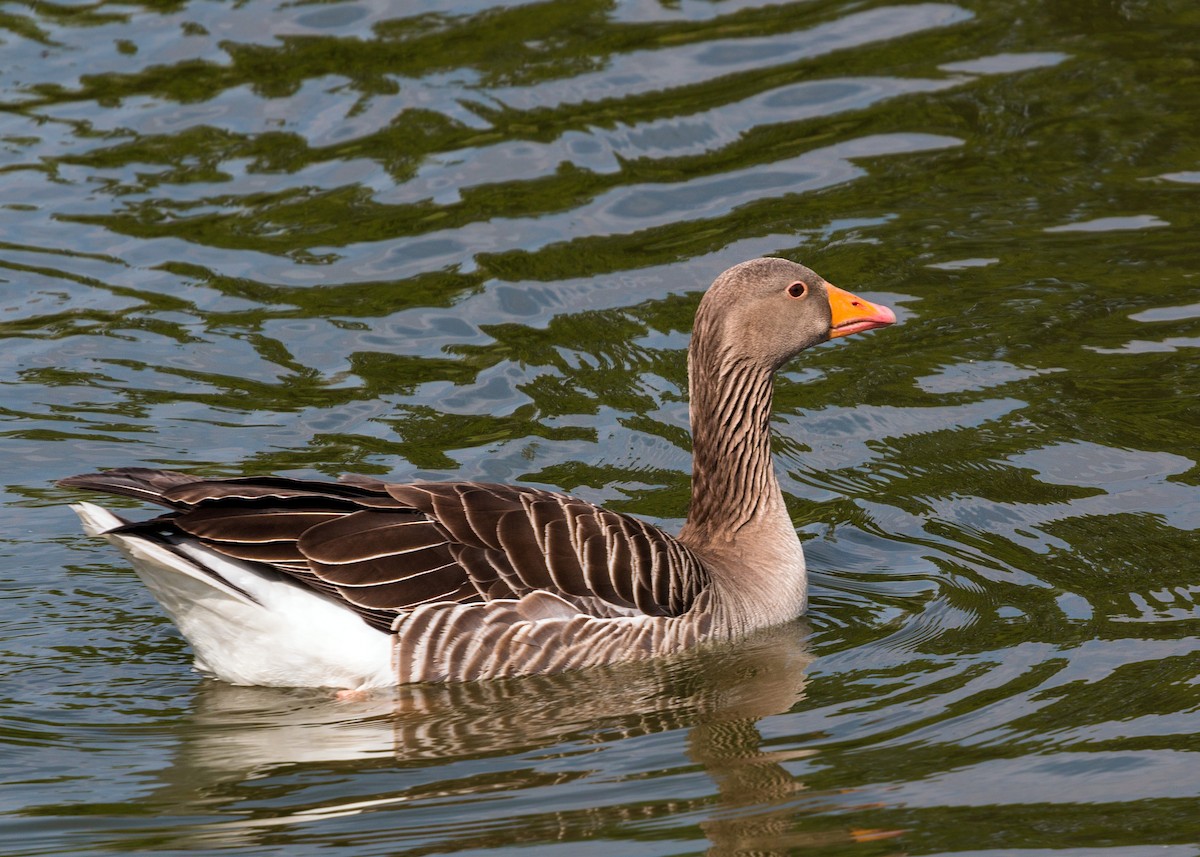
(719, 694)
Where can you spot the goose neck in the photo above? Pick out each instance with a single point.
(733, 478)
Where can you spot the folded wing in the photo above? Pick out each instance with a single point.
(387, 549)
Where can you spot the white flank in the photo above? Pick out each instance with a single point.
(283, 635)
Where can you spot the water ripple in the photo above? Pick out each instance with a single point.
(467, 240)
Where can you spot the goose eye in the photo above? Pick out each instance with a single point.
(797, 290)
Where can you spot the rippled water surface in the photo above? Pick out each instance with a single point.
(460, 239)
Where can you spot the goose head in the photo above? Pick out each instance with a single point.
(768, 310)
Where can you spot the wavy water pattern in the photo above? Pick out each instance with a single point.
(467, 239)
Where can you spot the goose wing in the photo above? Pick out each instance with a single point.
(385, 549)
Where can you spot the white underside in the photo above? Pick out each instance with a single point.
(283, 635)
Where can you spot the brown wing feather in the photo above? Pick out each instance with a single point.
(386, 549)
(253, 525)
(562, 545)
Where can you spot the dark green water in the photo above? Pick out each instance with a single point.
(433, 240)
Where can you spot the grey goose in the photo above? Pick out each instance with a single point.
(361, 583)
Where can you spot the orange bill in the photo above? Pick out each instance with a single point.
(852, 314)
